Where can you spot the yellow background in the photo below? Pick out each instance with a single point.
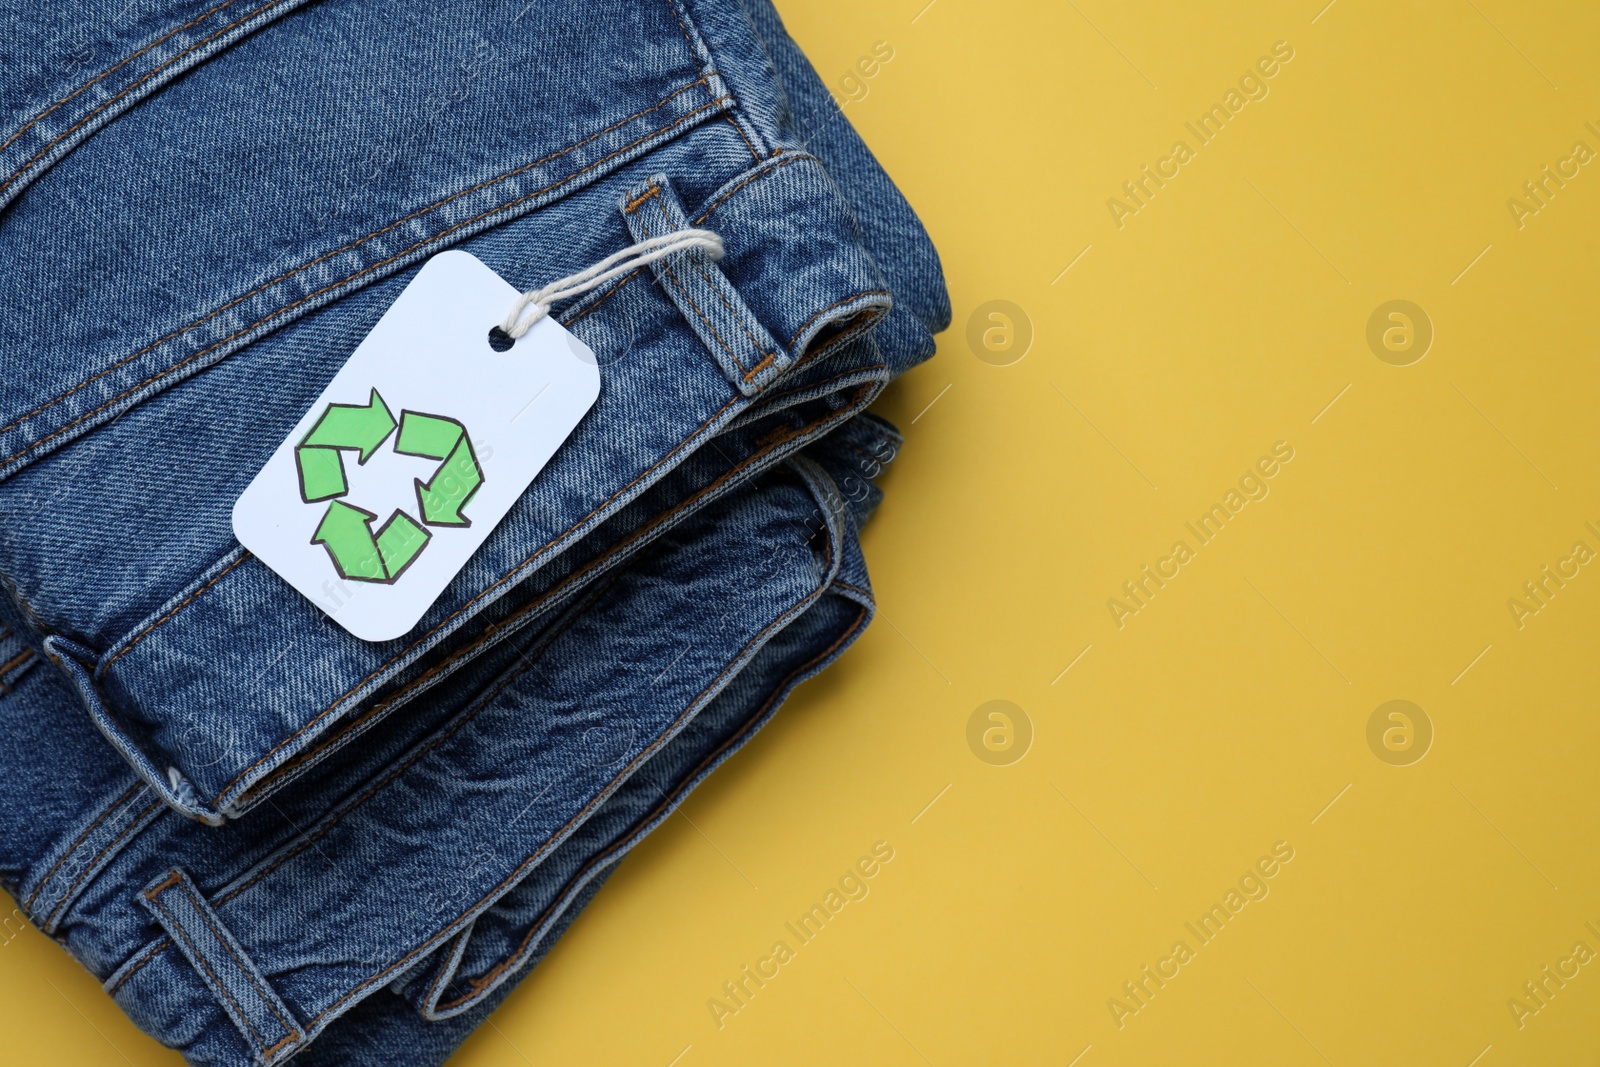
(1231, 712)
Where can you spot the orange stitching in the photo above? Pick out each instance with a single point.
(68, 898)
(645, 228)
(701, 314)
(25, 127)
(313, 295)
(267, 998)
(477, 984)
(684, 30)
(266, 1053)
(633, 205)
(199, 957)
(143, 633)
(360, 240)
(739, 130)
(111, 100)
(103, 816)
(154, 952)
(782, 620)
(737, 317)
(759, 367)
(172, 879)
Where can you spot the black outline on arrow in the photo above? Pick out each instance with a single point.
(299, 475)
(418, 483)
(427, 535)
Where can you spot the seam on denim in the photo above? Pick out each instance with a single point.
(334, 285)
(130, 88)
(70, 897)
(10, 665)
(853, 588)
(140, 636)
(199, 957)
(360, 241)
(25, 127)
(447, 967)
(699, 45)
(748, 372)
(633, 205)
(673, 278)
(796, 158)
(649, 751)
(476, 985)
(203, 910)
(393, 774)
(733, 473)
(151, 952)
(738, 130)
(858, 296)
(740, 319)
(711, 284)
(268, 1052)
(683, 29)
(127, 794)
(665, 269)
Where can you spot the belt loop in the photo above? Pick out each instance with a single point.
(702, 293)
(267, 1025)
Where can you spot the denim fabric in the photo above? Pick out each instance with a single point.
(409, 825)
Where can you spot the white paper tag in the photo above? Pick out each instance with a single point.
(416, 450)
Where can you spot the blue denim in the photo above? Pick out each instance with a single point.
(185, 809)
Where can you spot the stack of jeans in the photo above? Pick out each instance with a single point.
(268, 838)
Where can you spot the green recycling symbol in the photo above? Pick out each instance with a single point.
(359, 553)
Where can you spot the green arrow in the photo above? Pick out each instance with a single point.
(321, 473)
(443, 496)
(346, 532)
(356, 426)
(428, 436)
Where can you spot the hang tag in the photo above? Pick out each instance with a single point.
(416, 450)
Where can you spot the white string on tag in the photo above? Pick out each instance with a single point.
(635, 255)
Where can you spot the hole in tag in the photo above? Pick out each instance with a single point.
(499, 340)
